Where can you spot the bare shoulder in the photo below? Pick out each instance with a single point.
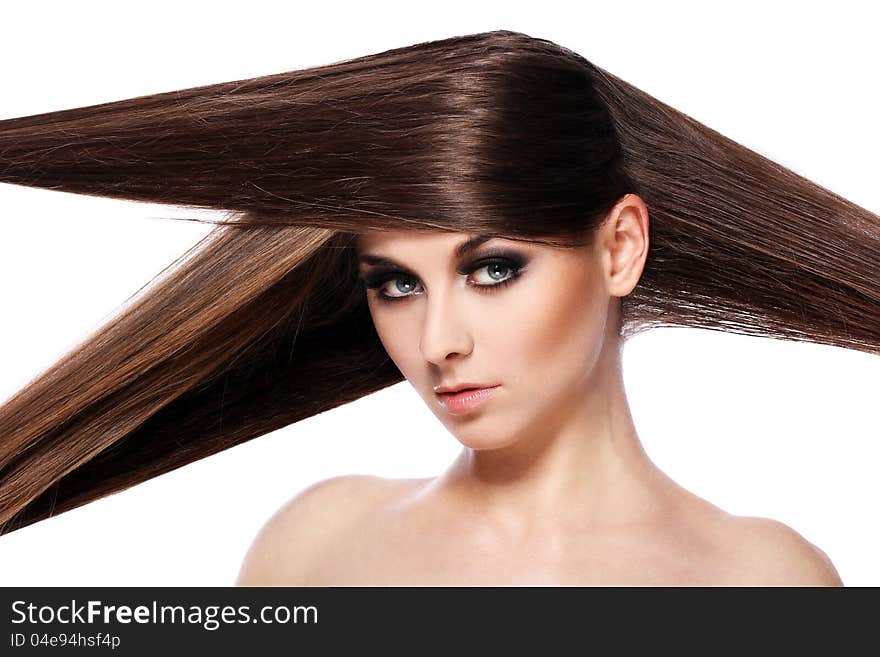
(288, 542)
(767, 552)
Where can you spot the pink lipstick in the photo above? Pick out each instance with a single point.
(466, 400)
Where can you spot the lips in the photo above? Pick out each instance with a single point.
(463, 399)
(462, 389)
(458, 387)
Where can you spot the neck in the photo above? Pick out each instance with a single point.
(586, 465)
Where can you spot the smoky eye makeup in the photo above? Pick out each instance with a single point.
(502, 266)
(508, 256)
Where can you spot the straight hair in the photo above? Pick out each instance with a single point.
(263, 322)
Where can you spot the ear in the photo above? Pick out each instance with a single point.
(622, 243)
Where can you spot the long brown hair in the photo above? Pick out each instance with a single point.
(263, 323)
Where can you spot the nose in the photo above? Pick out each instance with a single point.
(444, 333)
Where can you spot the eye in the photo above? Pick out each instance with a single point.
(497, 272)
(491, 275)
(401, 286)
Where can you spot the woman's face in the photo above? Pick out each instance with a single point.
(526, 319)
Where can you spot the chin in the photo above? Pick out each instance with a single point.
(478, 440)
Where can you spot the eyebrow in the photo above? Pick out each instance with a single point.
(465, 247)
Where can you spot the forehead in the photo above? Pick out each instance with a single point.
(407, 240)
(382, 238)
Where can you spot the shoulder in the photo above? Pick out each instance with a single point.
(766, 552)
(292, 537)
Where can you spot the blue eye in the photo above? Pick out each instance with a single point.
(402, 286)
(499, 272)
(496, 272)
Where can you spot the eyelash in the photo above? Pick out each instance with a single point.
(375, 280)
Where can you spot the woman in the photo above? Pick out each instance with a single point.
(405, 155)
(552, 486)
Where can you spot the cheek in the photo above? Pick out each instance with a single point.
(397, 336)
(547, 333)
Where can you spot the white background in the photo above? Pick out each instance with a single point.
(758, 427)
